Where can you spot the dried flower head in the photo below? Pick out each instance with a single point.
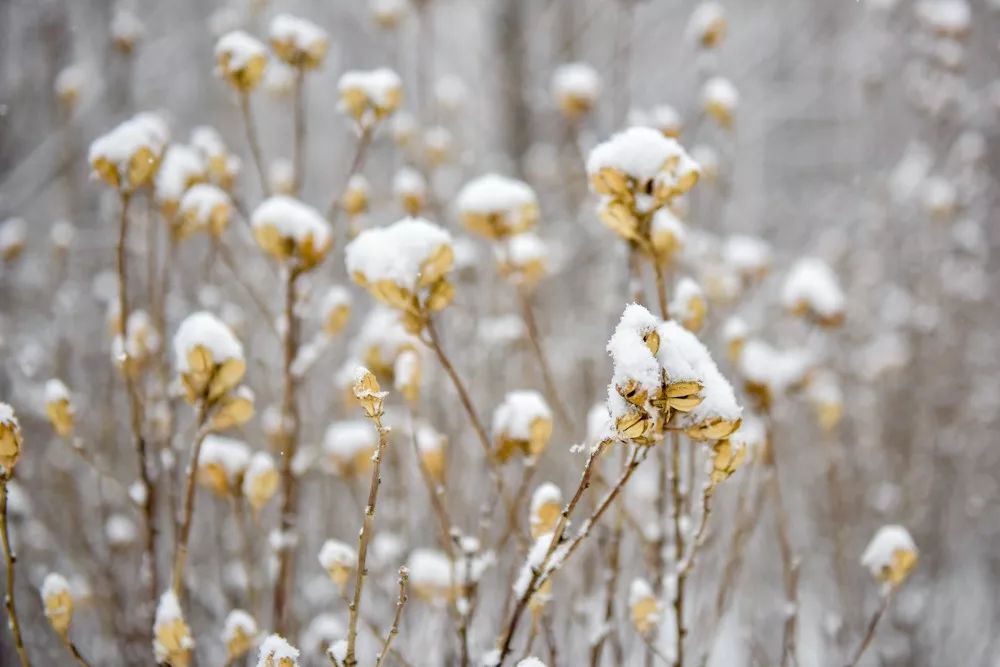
(707, 25)
(356, 196)
(172, 640)
(891, 555)
(206, 208)
(335, 310)
(411, 189)
(275, 651)
(576, 87)
(208, 357)
(662, 117)
(260, 481)
(644, 609)
(58, 407)
(496, 206)
(546, 506)
(407, 373)
(349, 446)
(637, 172)
(406, 266)
(726, 458)
(368, 392)
(69, 82)
(720, 99)
(370, 96)
(222, 463)
(10, 440)
(339, 560)
(522, 423)
(769, 373)
(223, 167)
(127, 157)
(688, 305)
(522, 259)
(241, 60)
(430, 576)
(126, 30)
(431, 446)
(811, 290)
(58, 602)
(239, 633)
(297, 41)
(387, 13)
(13, 236)
(290, 230)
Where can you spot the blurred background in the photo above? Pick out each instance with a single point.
(863, 133)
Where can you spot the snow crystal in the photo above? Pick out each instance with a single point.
(396, 253)
(513, 418)
(205, 329)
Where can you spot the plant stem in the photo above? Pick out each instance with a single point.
(357, 163)
(135, 406)
(75, 652)
(184, 527)
(251, 130)
(290, 436)
(11, 559)
(543, 363)
(676, 515)
(872, 626)
(661, 288)
(789, 566)
(299, 159)
(404, 576)
(364, 537)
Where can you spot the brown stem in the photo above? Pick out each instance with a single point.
(283, 582)
(543, 363)
(436, 492)
(11, 558)
(75, 652)
(872, 626)
(404, 576)
(676, 515)
(299, 159)
(364, 537)
(135, 405)
(789, 566)
(661, 288)
(184, 526)
(255, 152)
(357, 163)
(258, 300)
(610, 587)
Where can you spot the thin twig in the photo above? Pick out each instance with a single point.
(543, 363)
(404, 575)
(677, 516)
(11, 559)
(251, 130)
(135, 406)
(74, 651)
(357, 163)
(299, 160)
(364, 537)
(872, 626)
(258, 300)
(184, 526)
(789, 566)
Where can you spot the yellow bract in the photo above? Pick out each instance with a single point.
(714, 429)
(501, 224)
(309, 57)
(246, 77)
(139, 170)
(59, 611)
(232, 410)
(174, 637)
(540, 431)
(903, 562)
(239, 644)
(358, 104)
(206, 380)
(60, 415)
(10, 445)
(645, 614)
(261, 488)
(544, 520)
(726, 459)
(305, 250)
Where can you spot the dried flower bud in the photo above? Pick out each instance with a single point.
(10, 440)
(260, 482)
(891, 555)
(339, 560)
(239, 633)
(240, 59)
(644, 609)
(522, 423)
(58, 407)
(172, 640)
(58, 603)
(275, 651)
(546, 506)
(368, 392)
(298, 42)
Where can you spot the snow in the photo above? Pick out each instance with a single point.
(880, 554)
(777, 370)
(946, 17)
(547, 494)
(688, 299)
(237, 623)
(120, 530)
(117, 148)
(338, 651)
(13, 234)
(335, 554)
(69, 81)
(207, 141)
(279, 78)
(125, 26)
(663, 118)
(322, 630)
(495, 194)
(344, 440)
(388, 13)
(598, 423)
(206, 330)
(54, 585)
(292, 219)
(638, 591)
(530, 661)
(237, 50)
(408, 181)
(429, 439)
(168, 612)
(62, 234)
(181, 167)
(381, 337)
(749, 255)
(289, 34)
(734, 330)
(720, 92)
(429, 567)
(533, 563)
(706, 20)
(578, 80)
(811, 284)
(396, 253)
(230, 454)
(201, 203)
(55, 391)
(638, 152)
(519, 411)
(380, 89)
(274, 649)
(261, 465)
